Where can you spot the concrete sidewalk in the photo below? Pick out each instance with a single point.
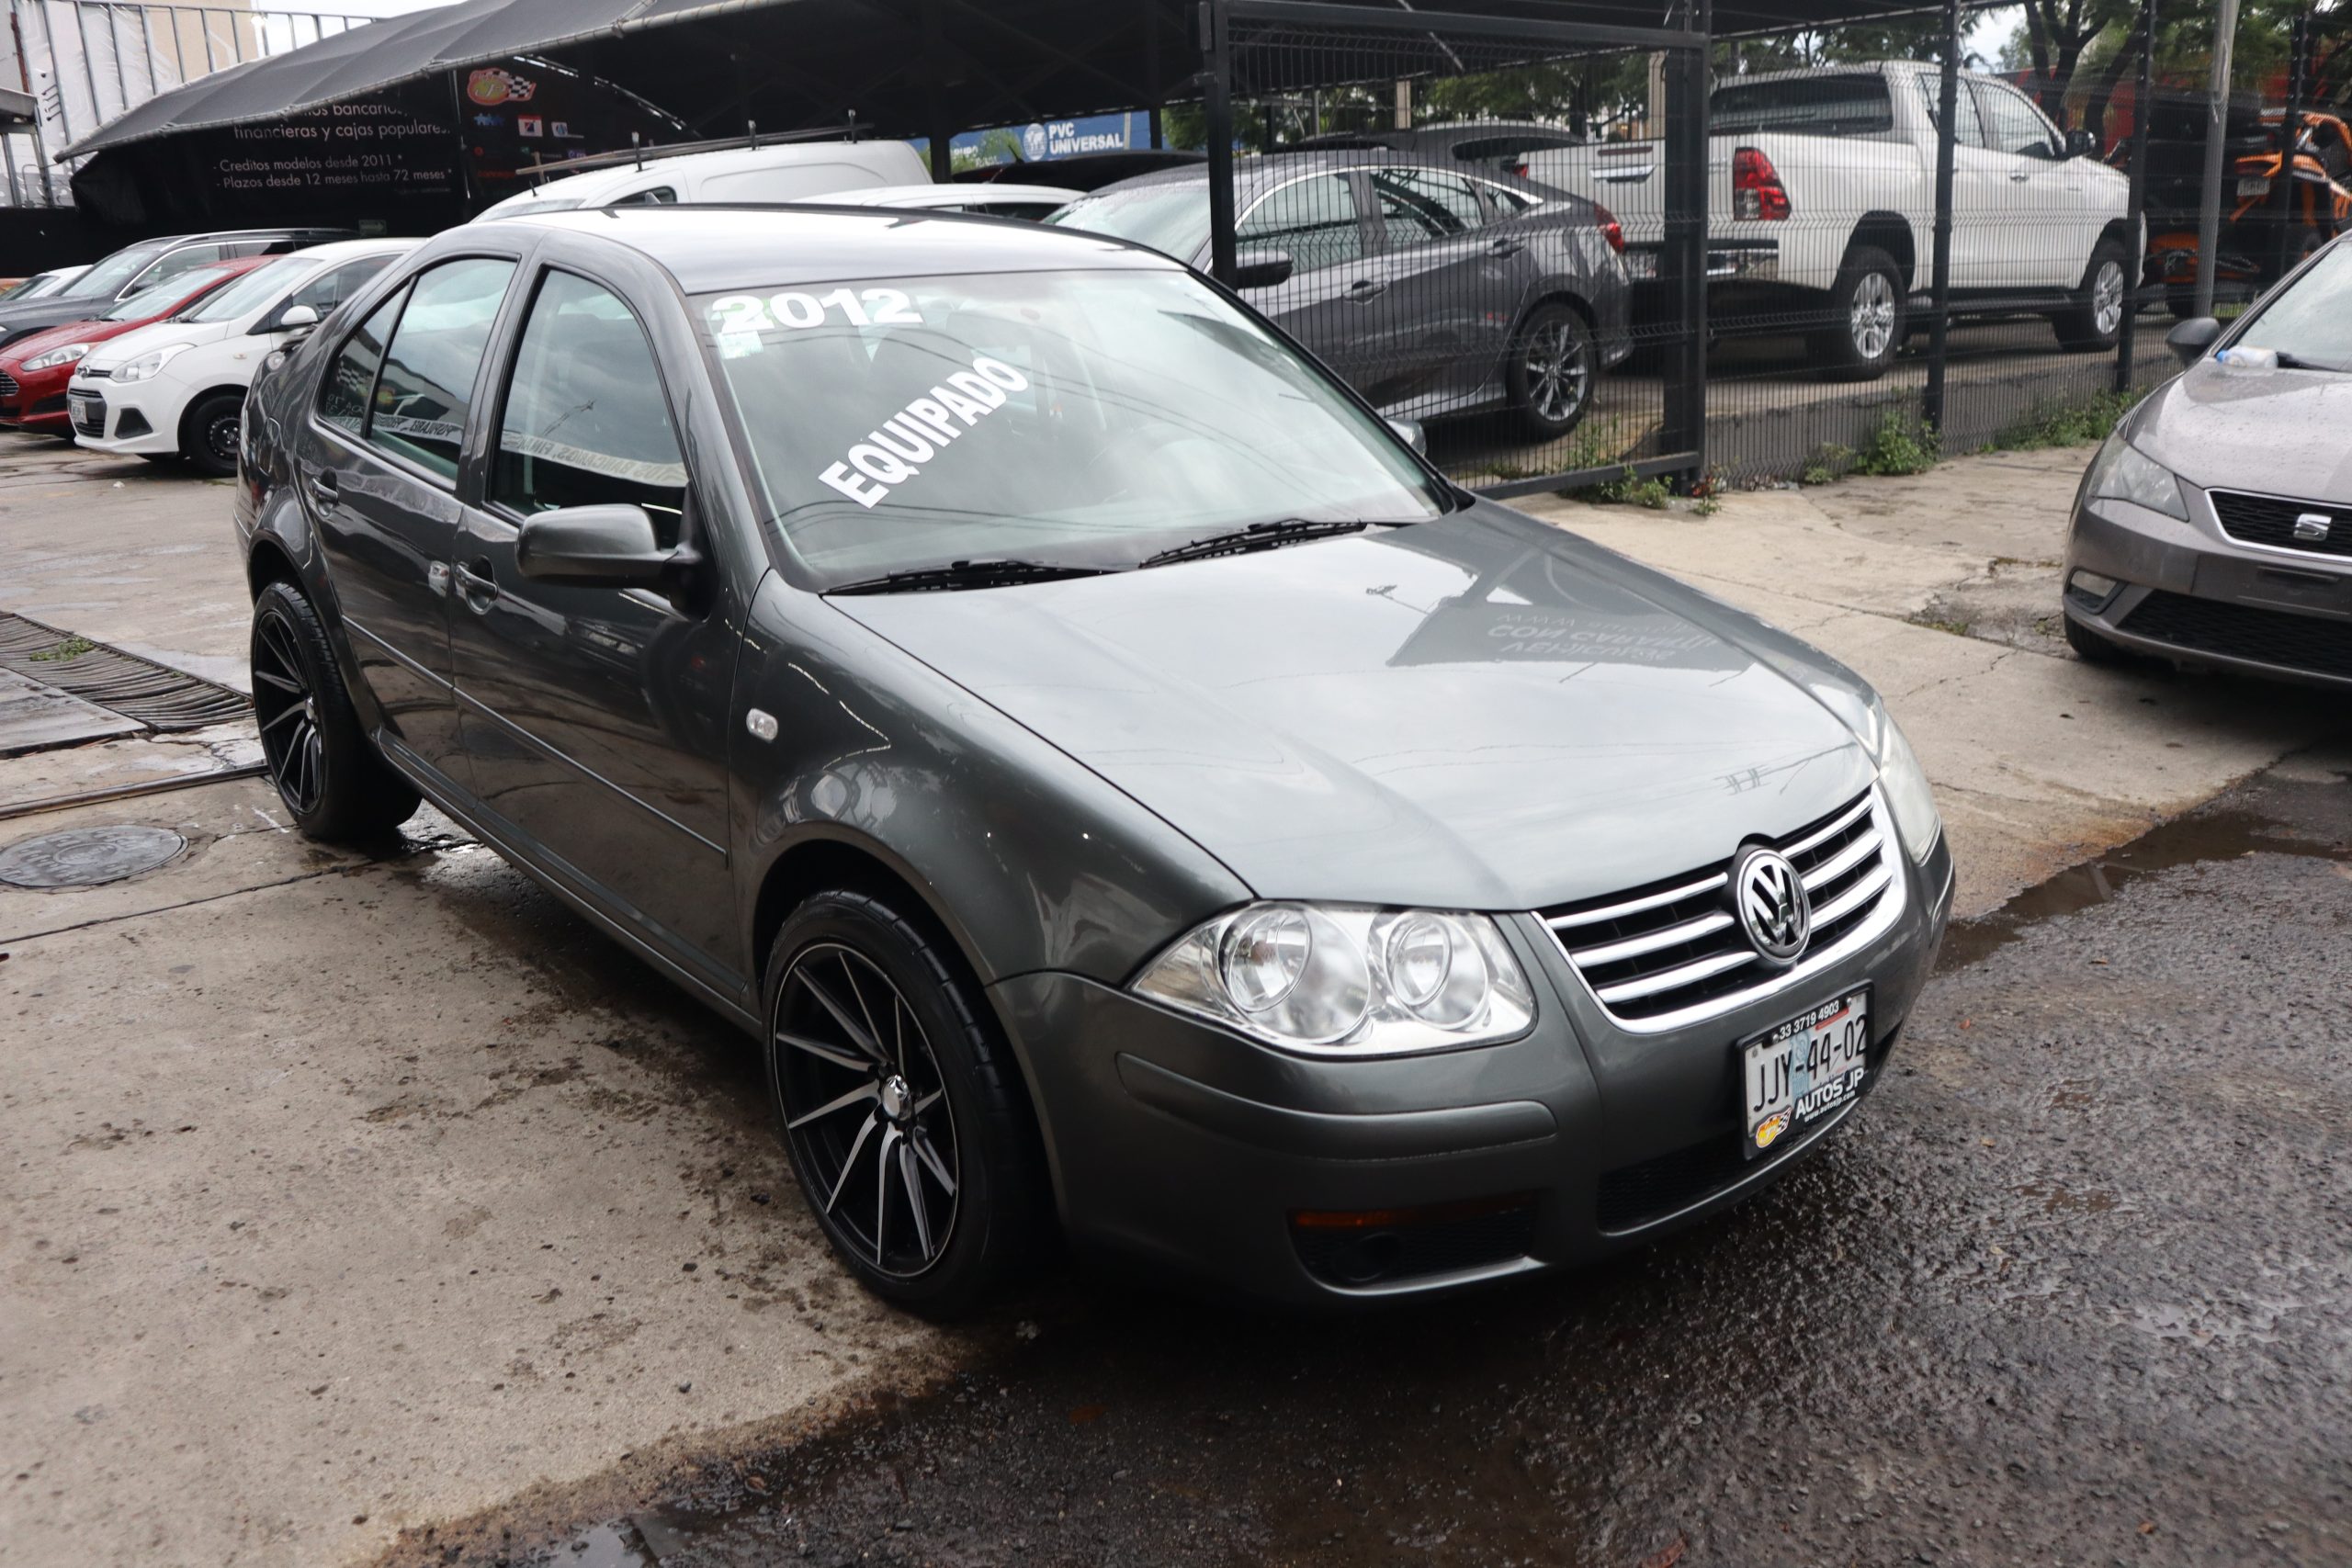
(346, 1195)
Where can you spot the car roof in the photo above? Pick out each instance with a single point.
(950, 195)
(351, 250)
(1251, 175)
(712, 249)
(592, 183)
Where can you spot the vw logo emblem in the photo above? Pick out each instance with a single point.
(1769, 898)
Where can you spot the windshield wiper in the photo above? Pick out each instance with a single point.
(966, 574)
(2297, 362)
(1257, 537)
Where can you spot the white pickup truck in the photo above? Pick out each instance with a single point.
(1821, 210)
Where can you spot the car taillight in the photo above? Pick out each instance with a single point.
(1520, 168)
(1756, 188)
(1611, 230)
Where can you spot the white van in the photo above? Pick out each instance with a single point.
(786, 171)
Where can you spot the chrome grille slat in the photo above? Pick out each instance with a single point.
(1660, 960)
(1670, 936)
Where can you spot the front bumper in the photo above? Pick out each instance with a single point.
(110, 416)
(34, 402)
(2191, 592)
(1190, 1147)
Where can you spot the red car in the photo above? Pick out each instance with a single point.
(34, 370)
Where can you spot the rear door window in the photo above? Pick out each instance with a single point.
(1313, 220)
(1418, 205)
(425, 387)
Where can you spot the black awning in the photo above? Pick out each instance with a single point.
(907, 67)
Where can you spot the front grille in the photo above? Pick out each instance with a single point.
(7, 385)
(2241, 631)
(1672, 953)
(2270, 520)
(89, 414)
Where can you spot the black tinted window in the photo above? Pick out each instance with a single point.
(1313, 220)
(427, 383)
(1825, 105)
(343, 400)
(585, 419)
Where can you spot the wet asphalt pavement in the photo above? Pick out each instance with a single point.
(2074, 1287)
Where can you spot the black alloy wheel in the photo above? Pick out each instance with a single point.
(327, 771)
(211, 433)
(900, 1108)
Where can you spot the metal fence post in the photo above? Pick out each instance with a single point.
(1931, 402)
(2298, 35)
(2217, 128)
(1683, 259)
(1216, 43)
(2126, 344)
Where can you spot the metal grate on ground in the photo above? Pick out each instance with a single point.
(154, 695)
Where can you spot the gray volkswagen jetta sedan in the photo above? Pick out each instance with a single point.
(2215, 525)
(1121, 786)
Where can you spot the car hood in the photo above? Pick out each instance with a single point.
(2276, 432)
(32, 343)
(1479, 711)
(34, 315)
(154, 334)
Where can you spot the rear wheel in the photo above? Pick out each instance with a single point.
(210, 433)
(1551, 370)
(2096, 318)
(327, 771)
(900, 1107)
(1867, 308)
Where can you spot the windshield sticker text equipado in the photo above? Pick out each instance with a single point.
(896, 452)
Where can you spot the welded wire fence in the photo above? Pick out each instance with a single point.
(86, 62)
(1397, 207)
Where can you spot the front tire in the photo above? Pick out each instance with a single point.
(1550, 373)
(327, 771)
(1867, 308)
(2095, 320)
(900, 1107)
(210, 433)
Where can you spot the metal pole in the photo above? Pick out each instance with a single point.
(1151, 69)
(25, 75)
(1216, 43)
(2290, 125)
(1931, 402)
(2142, 111)
(1684, 260)
(934, 69)
(2217, 130)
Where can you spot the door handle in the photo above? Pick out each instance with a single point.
(1506, 247)
(477, 588)
(1366, 288)
(2018, 176)
(325, 491)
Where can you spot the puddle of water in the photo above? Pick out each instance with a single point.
(2193, 839)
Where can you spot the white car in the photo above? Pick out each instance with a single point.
(1822, 200)
(783, 171)
(1006, 200)
(177, 388)
(41, 285)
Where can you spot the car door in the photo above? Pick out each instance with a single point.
(377, 472)
(1453, 287)
(593, 716)
(2041, 243)
(1981, 237)
(1315, 221)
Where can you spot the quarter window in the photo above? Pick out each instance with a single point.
(1313, 220)
(426, 385)
(342, 402)
(1417, 206)
(331, 288)
(586, 421)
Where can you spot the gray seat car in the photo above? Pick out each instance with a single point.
(2215, 525)
(1431, 288)
(1115, 782)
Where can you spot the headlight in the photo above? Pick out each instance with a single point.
(64, 354)
(2122, 472)
(1347, 981)
(150, 363)
(1908, 794)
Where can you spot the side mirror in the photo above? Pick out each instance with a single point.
(595, 547)
(1262, 269)
(2193, 339)
(2081, 143)
(293, 319)
(1415, 436)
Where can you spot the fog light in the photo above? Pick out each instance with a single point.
(2091, 588)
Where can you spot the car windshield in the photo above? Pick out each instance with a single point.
(254, 291)
(112, 273)
(1170, 215)
(154, 302)
(1078, 419)
(2312, 318)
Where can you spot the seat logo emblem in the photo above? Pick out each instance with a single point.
(1769, 898)
(2313, 526)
